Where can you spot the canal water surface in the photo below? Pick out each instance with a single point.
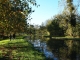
(58, 49)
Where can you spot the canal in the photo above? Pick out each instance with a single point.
(57, 49)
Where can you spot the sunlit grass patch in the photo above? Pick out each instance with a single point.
(19, 49)
(2, 42)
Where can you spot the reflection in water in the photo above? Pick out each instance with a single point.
(58, 49)
(42, 46)
(65, 49)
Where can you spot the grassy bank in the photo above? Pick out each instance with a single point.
(19, 49)
(63, 38)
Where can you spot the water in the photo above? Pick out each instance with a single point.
(65, 49)
(42, 47)
(58, 49)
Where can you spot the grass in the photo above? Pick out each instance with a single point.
(66, 38)
(19, 49)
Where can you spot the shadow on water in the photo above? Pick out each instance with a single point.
(65, 49)
(40, 44)
(58, 49)
(53, 49)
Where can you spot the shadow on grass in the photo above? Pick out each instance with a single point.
(20, 50)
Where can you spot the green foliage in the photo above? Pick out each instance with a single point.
(55, 29)
(73, 20)
(68, 18)
(43, 30)
(14, 14)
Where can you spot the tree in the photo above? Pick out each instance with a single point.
(54, 28)
(14, 14)
(69, 13)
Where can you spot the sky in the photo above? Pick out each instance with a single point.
(46, 10)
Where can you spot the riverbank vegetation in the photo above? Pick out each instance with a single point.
(64, 31)
(19, 49)
(14, 16)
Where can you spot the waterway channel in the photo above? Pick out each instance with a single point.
(42, 47)
(58, 49)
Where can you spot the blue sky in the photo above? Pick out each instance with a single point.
(47, 9)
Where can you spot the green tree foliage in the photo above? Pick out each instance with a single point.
(69, 21)
(68, 18)
(71, 18)
(14, 14)
(43, 31)
(78, 26)
(48, 22)
(54, 28)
